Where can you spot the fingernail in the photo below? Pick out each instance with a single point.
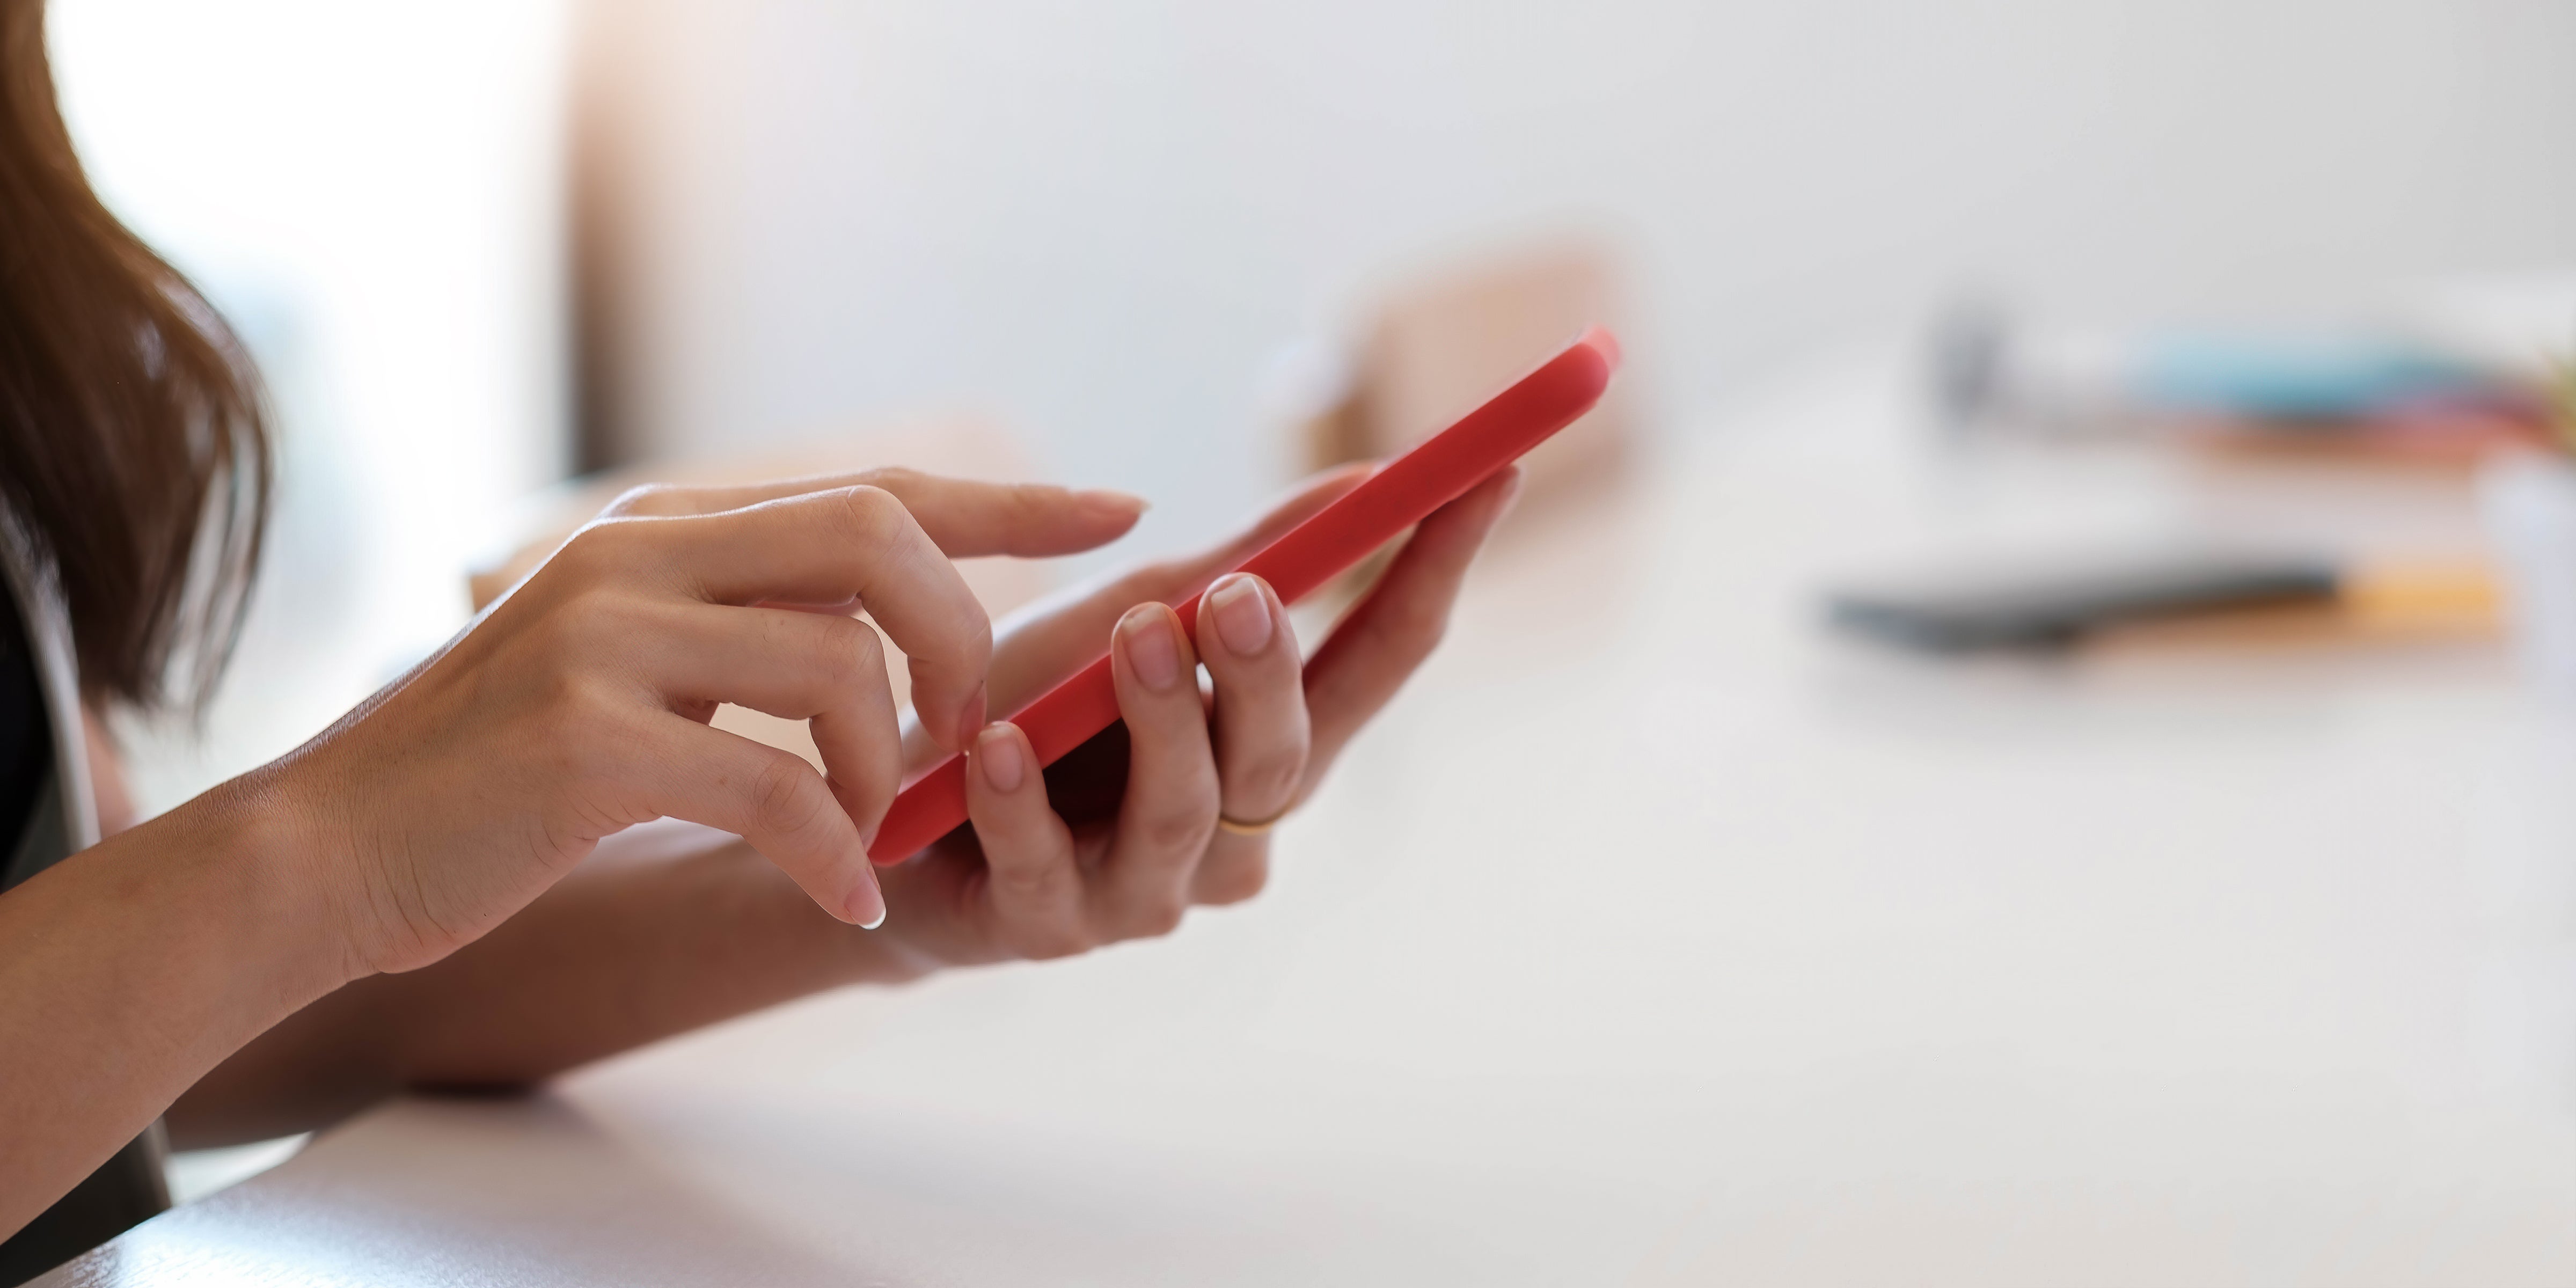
(1242, 615)
(999, 755)
(867, 906)
(1105, 501)
(1511, 493)
(1153, 650)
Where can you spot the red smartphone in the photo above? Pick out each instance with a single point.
(1401, 493)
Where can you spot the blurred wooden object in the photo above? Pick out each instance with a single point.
(2382, 603)
(1438, 346)
(959, 448)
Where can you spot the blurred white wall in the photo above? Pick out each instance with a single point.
(1101, 219)
(372, 194)
(1103, 222)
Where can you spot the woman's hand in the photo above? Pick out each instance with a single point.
(677, 926)
(578, 705)
(1122, 836)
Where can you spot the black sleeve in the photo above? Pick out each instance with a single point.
(123, 1193)
(26, 736)
(129, 1188)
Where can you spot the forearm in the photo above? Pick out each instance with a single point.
(130, 969)
(669, 929)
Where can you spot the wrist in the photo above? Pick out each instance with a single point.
(193, 926)
(133, 968)
(253, 865)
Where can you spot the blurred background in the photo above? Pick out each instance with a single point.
(2255, 302)
(487, 247)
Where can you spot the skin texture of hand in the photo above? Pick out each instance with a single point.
(671, 927)
(574, 709)
(1120, 838)
(578, 705)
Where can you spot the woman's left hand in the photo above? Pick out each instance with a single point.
(1121, 837)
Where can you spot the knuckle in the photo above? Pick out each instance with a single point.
(592, 749)
(593, 611)
(1158, 914)
(1029, 502)
(847, 653)
(588, 631)
(593, 548)
(894, 478)
(584, 699)
(550, 643)
(648, 498)
(871, 517)
(1236, 880)
(1024, 882)
(1271, 780)
(1179, 831)
(1017, 882)
(787, 799)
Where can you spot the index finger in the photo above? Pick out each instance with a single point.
(965, 518)
(853, 543)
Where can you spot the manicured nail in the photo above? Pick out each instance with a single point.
(867, 906)
(1153, 647)
(999, 755)
(1115, 504)
(1242, 615)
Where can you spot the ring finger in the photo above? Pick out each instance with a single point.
(1260, 730)
(1170, 805)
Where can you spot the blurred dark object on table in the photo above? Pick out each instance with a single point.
(2059, 602)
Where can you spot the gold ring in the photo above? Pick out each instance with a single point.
(1254, 828)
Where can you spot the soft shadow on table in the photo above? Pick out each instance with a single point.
(566, 1203)
(2133, 689)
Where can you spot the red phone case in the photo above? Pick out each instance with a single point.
(1398, 495)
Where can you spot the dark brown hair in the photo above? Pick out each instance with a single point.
(133, 445)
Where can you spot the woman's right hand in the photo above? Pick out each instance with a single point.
(577, 706)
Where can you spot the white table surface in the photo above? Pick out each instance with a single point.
(1656, 938)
